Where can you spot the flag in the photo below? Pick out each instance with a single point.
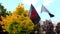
(34, 15)
(51, 15)
(44, 9)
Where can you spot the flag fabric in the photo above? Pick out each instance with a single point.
(51, 15)
(44, 9)
(34, 15)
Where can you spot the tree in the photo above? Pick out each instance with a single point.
(3, 11)
(19, 22)
(9, 13)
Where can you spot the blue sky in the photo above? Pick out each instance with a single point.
(52, 5)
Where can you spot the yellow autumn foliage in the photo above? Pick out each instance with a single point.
(20, 17)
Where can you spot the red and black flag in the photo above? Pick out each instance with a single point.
(34, 15)
(44, 9)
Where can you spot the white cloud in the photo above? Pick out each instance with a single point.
(47, 2)
(29, 2)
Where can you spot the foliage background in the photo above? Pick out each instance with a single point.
(18, 21)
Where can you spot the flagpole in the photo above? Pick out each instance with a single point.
(41, 23)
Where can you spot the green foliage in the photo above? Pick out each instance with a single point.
(19, 22)
(3, 11)
(9, 12)
(13, 27)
